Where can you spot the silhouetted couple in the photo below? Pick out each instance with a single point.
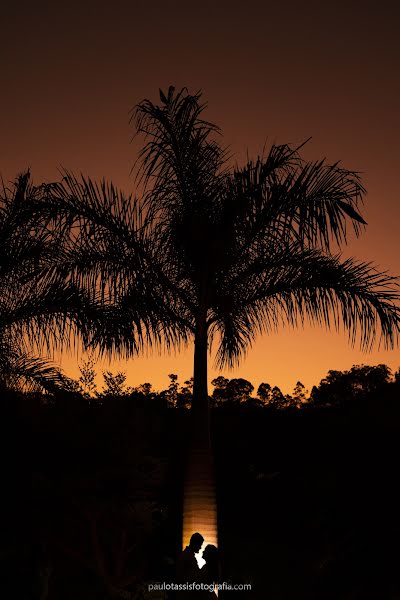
(188, 571)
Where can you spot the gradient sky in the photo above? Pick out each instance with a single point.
(271, 72)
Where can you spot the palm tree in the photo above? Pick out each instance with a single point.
(39, 310)
(219, 255)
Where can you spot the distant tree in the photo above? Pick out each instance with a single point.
(235, 391)
(114, 385)
(185, 395)
(273, 397)
(219, 395)
(240, 390)
(334, 389)
(171, 393)
(338, 387)
(368, 379)
(314, 394)
(144, 388)
(277, 399)
(86, 382)
(300, 395)
(264, 393)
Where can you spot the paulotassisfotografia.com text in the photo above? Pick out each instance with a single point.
(164, 586)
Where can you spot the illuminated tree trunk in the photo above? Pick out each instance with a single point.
(199, 499)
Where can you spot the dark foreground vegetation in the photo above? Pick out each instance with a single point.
(308, 494)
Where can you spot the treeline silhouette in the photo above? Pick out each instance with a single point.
(92, 488)
(336, 389)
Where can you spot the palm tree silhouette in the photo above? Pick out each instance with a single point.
(39, 309)
(220, 255)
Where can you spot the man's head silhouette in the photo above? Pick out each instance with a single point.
(196, 542)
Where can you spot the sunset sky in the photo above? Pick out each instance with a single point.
(271, 72)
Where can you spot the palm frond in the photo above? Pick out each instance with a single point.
(285, 196)
(181, 158)
(24, 372)
(298, 285)
(113, 254)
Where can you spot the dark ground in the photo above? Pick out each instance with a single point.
(308, 500)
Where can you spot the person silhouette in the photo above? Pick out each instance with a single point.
(210, 572)
(187, 569)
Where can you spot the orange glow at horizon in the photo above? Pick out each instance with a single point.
(280, 359)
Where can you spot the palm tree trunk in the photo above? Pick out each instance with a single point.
(199, 499)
